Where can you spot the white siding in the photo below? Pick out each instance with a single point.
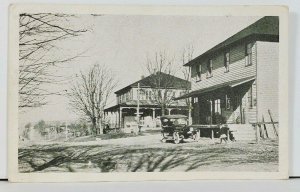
(267, 80)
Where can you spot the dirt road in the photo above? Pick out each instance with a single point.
(147, 153)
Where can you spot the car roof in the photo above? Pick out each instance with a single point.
(173, 116)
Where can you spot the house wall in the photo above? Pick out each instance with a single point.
(237, 68)
(267, 81)
(143, 91)
(125, 96)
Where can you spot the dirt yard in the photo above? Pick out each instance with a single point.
(147, 153)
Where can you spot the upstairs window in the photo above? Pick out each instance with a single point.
(119, 99)
(226, 62)
(249, 55)
(150, 95)
(147, 94)
(209, 68)
(199, 71)
(182, 93)
(195, 100)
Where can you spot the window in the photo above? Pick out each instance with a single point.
(150, 95)
(131, 94)
(147, 95)
(141, 94)
(199, 71)
(195, 99)
(248, 52)
(226, 61)
(209, 68)
(227, 102)
(218, 106)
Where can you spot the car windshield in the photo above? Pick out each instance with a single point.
(174, 121)
(180, 121)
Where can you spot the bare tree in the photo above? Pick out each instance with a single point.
(161, 70)
(187, 56)
(38, 35)
(90, 93)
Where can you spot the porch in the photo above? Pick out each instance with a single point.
(232, 103)
(121, 116)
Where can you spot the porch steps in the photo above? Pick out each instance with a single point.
(243, 132)
(251, 115)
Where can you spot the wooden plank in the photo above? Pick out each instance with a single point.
(261, 133)
(266, 123)
(274, 128)
(265, 128)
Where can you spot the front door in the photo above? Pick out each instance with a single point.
(241, 110)
(216, 111)
(204, 111)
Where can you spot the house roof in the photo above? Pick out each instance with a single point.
(265, 29)
(166, 80)
(229, 84)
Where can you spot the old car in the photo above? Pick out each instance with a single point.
(175, 128)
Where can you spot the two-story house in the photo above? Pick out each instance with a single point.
(236, 81)
(142, 94)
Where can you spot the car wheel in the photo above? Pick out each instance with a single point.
(176, 138)
(163, 139)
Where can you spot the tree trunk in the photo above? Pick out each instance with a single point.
(163, 108)
(100, 128)
(94, 127)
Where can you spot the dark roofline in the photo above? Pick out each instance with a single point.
(255, 31)
(129, 86)
(231, 84)
(134, 85)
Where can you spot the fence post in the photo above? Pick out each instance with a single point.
(274, 128)
(265, 128)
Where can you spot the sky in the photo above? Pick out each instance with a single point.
(123, 43)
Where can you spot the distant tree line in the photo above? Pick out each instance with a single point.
(44, 128)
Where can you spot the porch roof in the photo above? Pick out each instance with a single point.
(147, 104)
(229, 84)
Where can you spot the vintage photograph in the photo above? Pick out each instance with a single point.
(101, 93)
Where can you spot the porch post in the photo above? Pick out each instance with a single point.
(211, 111)
(169, 111)
(153, 113)
(120, 117)
(116, 119)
